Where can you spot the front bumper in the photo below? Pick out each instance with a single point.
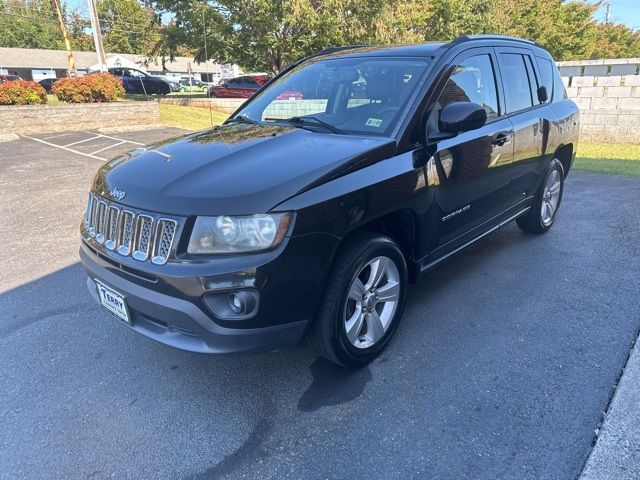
(165, 302)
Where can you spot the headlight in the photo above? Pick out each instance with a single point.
(226, 234)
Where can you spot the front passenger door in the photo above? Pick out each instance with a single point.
(474, 168)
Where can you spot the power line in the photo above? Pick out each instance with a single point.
(84, 20)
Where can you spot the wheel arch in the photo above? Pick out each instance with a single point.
(565, 153)
(400, 225)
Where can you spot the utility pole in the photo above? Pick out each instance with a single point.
(607, 18)
(72, 64)
(97, 35)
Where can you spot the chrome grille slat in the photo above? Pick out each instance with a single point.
(111, 229)
(93, 215)
(125, 232)
(101, 221)
(165, 233)
(142, 237)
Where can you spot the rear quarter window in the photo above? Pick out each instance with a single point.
(559, 92)
(546, 75)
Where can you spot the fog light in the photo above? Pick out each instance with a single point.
(234, 305)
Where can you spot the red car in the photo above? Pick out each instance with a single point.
(239, 87)
(9, 78)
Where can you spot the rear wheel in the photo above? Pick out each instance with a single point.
(546, 203)
(363, 302)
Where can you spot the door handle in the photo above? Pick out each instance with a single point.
(501, 138)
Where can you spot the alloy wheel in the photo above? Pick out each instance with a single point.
(550, 197)
(372, 302)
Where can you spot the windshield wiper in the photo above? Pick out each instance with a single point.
(306, 121)
(242, 119)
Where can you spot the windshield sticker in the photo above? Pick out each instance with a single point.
(374, 122)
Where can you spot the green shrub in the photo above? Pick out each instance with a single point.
(22, 92)
(97, 87)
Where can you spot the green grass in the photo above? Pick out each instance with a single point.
(617, 159)
(52, 99)
(192, 118)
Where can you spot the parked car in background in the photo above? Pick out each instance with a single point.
(312, 218)
(47, 83)
(194, 86)
(239, 87)
(137, 81)
(9, 78)
(174, 83)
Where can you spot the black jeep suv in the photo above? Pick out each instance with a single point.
(311, 209)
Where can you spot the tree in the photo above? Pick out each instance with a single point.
(168, 42)
(29, 24)
(127, 25)
(616, 41)
(270, 34)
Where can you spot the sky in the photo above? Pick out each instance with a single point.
(622, 11)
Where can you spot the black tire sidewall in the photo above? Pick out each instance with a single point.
(349, 354)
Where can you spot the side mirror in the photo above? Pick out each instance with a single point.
(461, 117)
(543, 96)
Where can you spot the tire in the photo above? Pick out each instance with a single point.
(372, 321)
(549, 195)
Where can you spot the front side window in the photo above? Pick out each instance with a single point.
(351, 95)
(516, 82)
(473, 80)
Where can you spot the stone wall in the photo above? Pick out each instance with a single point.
(226, 105)
(31, 119)
(608, 95)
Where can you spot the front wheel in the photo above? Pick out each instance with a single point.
(363, 301)
(546, 202)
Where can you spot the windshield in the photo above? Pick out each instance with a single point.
(352, 95)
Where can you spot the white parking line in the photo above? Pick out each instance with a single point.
(95, 137)
(59, 135)
(115, 138)
(108, 147)
(66, 148)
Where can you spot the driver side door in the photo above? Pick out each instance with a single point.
(474, 168)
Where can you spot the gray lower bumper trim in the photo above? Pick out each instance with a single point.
(181, 324)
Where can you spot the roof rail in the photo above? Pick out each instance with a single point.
(326, 51)
(468, 38)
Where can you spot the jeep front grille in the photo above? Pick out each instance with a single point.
(139, 234)
(165, 231)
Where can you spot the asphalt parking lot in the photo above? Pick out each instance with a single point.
(503, 366)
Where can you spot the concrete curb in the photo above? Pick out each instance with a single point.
(131, 128)
(8, 137)
(616, 454)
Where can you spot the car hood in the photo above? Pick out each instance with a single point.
(235, 169)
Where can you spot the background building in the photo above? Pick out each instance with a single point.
(35, 64)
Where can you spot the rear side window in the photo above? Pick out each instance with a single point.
(473, 80)
(546, 75)
(516, 82)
